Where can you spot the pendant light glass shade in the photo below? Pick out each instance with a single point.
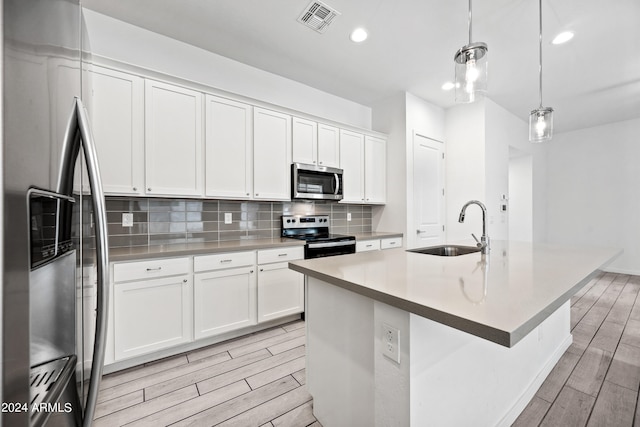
(540, 119)
(471, 69)
(471, 72)
(541, 124)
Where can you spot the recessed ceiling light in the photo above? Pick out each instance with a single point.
(562, 37)
(448, 86)
(359, 35)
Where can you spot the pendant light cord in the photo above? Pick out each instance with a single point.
(470, 21)
(540, 45)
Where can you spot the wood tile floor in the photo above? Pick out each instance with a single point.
(596, 381)
(258, 380)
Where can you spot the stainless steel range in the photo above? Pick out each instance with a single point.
(315, 230)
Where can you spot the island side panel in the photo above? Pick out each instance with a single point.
(460, 379)
(340, 346)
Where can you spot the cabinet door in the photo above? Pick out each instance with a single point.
(228, 145)
(280, 291)
(305, 141)
(271, 155)
(224, 301)
(151, 315)
(173, 140)
(117, 118)
(328, 146)
(352, 163)
(375, 157)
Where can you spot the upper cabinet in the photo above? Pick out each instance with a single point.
(173, 140)
(228, 148)
(315, 143)
(363, 159)
(271, 155)
(116, 108)
(375, 166)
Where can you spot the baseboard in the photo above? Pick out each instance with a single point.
(528, 394)
(622, 271)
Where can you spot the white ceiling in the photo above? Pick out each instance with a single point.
(591, 80)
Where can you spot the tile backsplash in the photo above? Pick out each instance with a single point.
(168, 221)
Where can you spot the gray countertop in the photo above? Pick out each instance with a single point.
(372, 235)
(500, 297)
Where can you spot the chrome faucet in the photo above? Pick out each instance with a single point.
(483, 243)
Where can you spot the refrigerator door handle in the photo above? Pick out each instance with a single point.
(102, 252)
(78, 137)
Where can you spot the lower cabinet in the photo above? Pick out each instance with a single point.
(224, 300)
(280, 291)
(151, 315)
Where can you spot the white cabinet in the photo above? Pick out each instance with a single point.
(117, 119)
(315, 143)
(363, 159)
(352, 164)
(271, 155)
(153, 313)
(368, 245)
(224, 300)
(375, 177)
(173, 140)
(305, 141)
(280, 290)
(228, 148)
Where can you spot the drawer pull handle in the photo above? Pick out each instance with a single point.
(154, 269)
(392, 243)
(369, 246)
(282, 254)
(226, 260)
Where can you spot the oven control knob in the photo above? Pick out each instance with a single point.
(293, 220)
(288, 221)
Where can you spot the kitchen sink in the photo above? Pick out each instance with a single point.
(446, 250)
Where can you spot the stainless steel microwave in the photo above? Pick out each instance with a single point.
(313, 182)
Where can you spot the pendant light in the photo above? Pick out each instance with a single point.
(541, 119)
(471, 69)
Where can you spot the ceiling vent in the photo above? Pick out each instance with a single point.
(318, 16)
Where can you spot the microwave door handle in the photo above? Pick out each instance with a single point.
(102, 252)
(337, 184)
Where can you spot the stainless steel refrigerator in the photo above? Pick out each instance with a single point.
(54, 251)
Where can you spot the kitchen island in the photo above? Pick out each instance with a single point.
(401, 338)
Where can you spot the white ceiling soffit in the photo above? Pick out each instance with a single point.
(318, 16)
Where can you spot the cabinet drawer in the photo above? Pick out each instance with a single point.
(126, 271)
(266, 256)
(391, 242)
(225, 260)
(367, 245)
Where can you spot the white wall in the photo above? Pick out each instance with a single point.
(117, 40)
(593, 190)
(520, 205)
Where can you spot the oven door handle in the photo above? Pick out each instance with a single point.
(337, 184)
(330, 244)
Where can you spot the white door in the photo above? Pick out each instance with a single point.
(305, 141)
(228, 148)
(280, 291)
(224, 300)
(375, 166)
(173, 140)
(117, 118)
(352, 163)
(271, 155)
(328, 146)
(427, 227)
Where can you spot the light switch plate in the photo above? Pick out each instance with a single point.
(127, 219)
(228, 218)
(348, 216)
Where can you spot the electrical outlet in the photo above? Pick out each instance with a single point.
(348, 216)
(391, 342)
(228, 218)
(127, 220)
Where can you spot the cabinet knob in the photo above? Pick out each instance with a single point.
(247, 194)
(135, 188)
(320, 162)
(184, 281)
(251, 271)
(257, 194)
(149, 189)
(262, 269)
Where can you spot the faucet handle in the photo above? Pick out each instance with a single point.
(478, 243)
